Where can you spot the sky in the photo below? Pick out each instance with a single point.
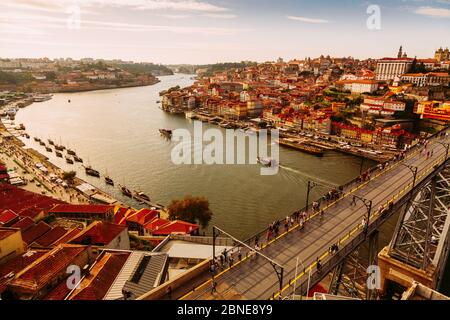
(210, 31)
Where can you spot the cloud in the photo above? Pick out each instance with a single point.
(177, 5)
(307, 20)
(433, 12)
(220, 15)
(174, 16)
(43, 22)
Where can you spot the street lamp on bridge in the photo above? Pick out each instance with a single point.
(368, 204)
(312, 185)
(279, 269)
(414, 170)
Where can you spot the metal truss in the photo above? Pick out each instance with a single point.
(350, 276)
(421, 231)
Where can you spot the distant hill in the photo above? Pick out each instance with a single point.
(210, 69)
(154, 69)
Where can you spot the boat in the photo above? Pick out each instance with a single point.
(314, 150)
(21, 126)
(50, 141)
(42, 98)
(141, 196)
(77, 159)
(126, 191)
(58, 154)
(266, 162)
(59, 147)
(69, 160)
(27, 135)
(92, 172)
(109, 181)
(48, 149)
(71, 152)
(166, 132)
(42, 143)
(37, 139)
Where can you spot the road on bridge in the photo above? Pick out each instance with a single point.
(254, 277)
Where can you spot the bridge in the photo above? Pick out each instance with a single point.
(299, 258)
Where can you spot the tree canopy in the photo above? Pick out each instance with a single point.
(191, 209)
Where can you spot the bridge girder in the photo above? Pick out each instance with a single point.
(422, 230)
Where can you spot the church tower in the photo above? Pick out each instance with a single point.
(400, 52)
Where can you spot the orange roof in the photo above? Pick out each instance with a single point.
(98, 233)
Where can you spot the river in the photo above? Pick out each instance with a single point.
(116, 132)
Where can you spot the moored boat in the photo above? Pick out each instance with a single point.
(58, 154)
(126, 191)
(141, 196)
(109, 181)
(92, 172)
(314, 150)
(48, 149)
(77, 159)
(71, 152)
(69, 160)
(51, 142)
(59, 147)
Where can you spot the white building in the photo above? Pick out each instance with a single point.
(357, 86)
(389, 68)
(427, 79)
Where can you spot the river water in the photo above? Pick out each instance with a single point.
(116, 132)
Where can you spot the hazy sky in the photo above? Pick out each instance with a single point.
(208, 31)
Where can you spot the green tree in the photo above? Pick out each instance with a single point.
(191, 209)
(69, 176)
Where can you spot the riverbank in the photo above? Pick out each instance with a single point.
(44, 177)
(304, 141)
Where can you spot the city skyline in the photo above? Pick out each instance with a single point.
(210, 31)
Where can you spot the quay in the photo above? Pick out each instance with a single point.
(311, 143)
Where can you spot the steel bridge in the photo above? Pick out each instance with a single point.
(298, 258)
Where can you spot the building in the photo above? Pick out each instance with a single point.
(47, 272)
(357, 86)
(437, 110)
(442, 55)
(104, 234)
(427, 79)
(86, 212)
(11, 243)
(391, 68)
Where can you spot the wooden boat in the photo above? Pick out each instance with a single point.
(91, 172)
(77, 159)
(314, 150)
(141, 196)
(126, 191)
(48, 149)
(58, 154)
(51, 142)
(69, 160)
(109, 181)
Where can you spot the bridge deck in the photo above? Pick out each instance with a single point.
(254, 277)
